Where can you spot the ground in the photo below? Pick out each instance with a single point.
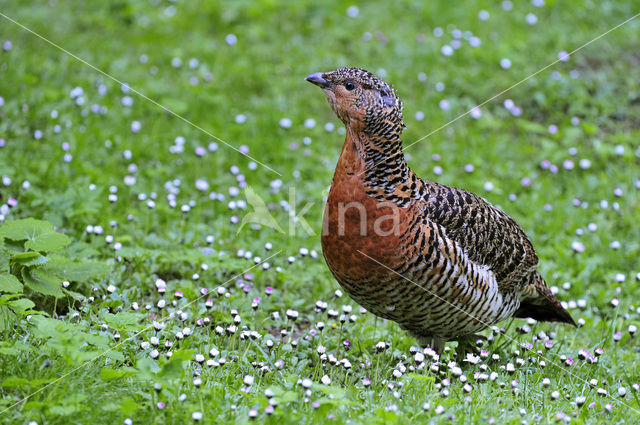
(141, 150)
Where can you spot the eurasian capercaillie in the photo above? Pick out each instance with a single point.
(441, 262)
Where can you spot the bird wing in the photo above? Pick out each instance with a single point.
(460, 296)
(487, 234)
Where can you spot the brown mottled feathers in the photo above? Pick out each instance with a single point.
(441, 262)
(488, 235)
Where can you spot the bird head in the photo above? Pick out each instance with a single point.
(362, 101)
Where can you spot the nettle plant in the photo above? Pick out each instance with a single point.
(33, 269)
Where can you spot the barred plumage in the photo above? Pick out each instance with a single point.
(448, 264)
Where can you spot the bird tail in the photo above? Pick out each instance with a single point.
(540, 304)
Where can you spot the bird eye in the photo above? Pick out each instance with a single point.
(349, 85)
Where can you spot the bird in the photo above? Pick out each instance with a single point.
(441, 262)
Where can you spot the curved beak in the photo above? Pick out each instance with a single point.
(317, 79)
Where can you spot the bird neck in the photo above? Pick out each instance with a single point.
(380, 163)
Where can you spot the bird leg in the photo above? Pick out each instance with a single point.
(467, 344)
(433, 342)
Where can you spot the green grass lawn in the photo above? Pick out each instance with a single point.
(151, 205)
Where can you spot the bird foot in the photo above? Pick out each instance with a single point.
(468, 345)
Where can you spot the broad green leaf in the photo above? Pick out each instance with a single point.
(277, 391)
(13, 246)
(73, 294)
(6, 298)
(37, 383)
(128, 406)
(590, 128)
(532, 127)
(15, 382)
(13, 348)
(177, 105)
(336, 392)
(110, 406)
(36, 405)
(42, 283)
(282, 395)
(108, 374)
(183, 354)
(24, 229)
(39, 235)
(97, 340)
(421, 377)
(45, 326)
(9, 283)
(9, 351)
(21, 305)
(285, 397)
(4, 260)
(48, 242)
(64, 410)
(75, 272)
(129, 253)
(387, 416)
(122, 321)
(114, 355)
(147, 367)
(29, 259)
(172, 369)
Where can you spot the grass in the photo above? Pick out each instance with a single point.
(178, 54)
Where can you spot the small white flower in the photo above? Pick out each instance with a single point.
(285, 123)
(353, 11)
(231, 39)
(577, 246)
